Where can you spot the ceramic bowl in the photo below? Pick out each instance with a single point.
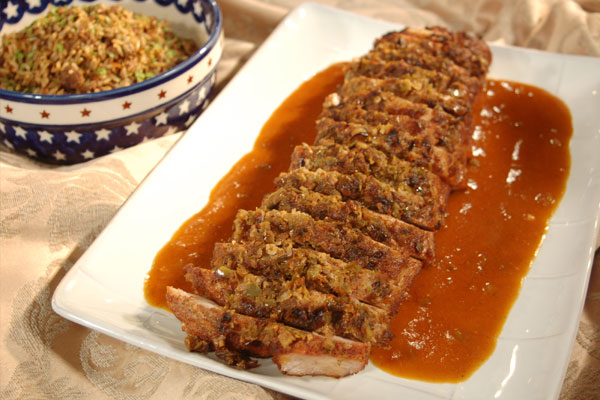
(68, 129)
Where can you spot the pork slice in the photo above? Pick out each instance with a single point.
(294, 351)
(290, 302)
(320, 271)
(399, 174)
(417, 120)
(416, 90)
(450, 136)
(380, 107)
(436, 48)
(379, 99)
(378, 69)
(337, 239)
(419, 150)
(458, 85)
(369, 191)
(383, 228)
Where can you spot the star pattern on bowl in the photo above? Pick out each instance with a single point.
(69, 145)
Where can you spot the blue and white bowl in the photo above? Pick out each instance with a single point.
(68, 129)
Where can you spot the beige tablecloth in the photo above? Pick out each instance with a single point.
(50, 215)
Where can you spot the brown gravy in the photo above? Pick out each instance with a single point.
(457, 306)
(455, 310)
(243, 187)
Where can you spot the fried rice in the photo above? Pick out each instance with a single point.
(88, 49)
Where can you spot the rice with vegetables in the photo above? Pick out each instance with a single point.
(89, 49)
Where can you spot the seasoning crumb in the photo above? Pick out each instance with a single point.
(529, 217)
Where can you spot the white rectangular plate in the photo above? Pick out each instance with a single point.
(104, 290)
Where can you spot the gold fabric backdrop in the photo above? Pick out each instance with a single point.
(50, 215)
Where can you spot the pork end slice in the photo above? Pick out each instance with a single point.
(345, 358)
(294, 351)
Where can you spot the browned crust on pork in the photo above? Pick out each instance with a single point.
(399, 174)
(436, 48)
(372, 193)
(457, 85)
(411, 89)
(338, 239)
(320, 271)
(421, 150)
(259, 337)
(290, 302)
(380, 227)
